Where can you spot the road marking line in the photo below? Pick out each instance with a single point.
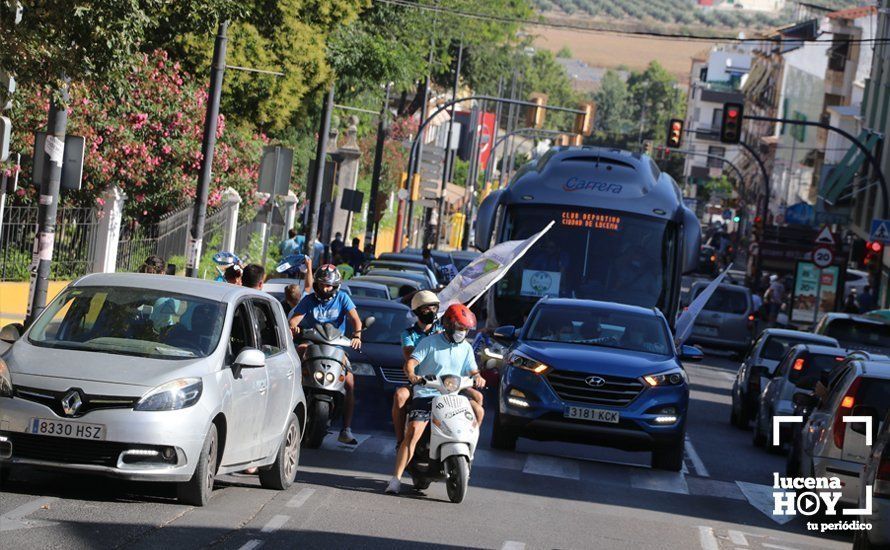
(707, 538)
(777, 547)
(276, 523)
(697, 463)
(761, 497)
(15, 518)
(252, 544)
(513, 545)
(658, 480)
(738, 538)
(300, 498)
(544, 465)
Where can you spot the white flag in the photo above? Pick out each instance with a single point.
(485, 271)
(683, 327)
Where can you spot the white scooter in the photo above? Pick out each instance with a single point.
(446, 449)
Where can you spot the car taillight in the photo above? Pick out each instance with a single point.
(798, 364)
(845, 408)
(713, 258)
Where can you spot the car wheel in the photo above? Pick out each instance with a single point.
(281, 474)
(197, 490)
(5, 470)
(503, 437)
(669, 457)
(759, 438)
(737, 416)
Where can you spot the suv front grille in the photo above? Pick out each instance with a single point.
(572, 386)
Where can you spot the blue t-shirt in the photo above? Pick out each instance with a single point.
(412, 335)
(436, 355)
(332, 311)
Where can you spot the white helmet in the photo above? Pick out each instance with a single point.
(424, 298)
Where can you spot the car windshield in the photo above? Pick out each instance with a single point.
(726, 300)
(131, 321)
(811, 369)
(389, 322)
(613, 329)
(775, 347)
(852, 334)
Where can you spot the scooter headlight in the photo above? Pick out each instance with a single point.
(450, 384)
(319, 376)
(329, 377)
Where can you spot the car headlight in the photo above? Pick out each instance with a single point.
(5, 380)
(450, 384)
(670, 378)
(526, 363)
(172, 396)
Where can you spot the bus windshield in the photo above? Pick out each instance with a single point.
(588, 254)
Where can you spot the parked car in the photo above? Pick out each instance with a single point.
(367, 289)
(864, 332)
(405, 267)
(399, 287)
(420, 278)
(728, 319)
(117, 361)
(798, 371)
(876, 475)
(381, 352)
(460, 258)
(707, 261)
(596, 373)
(758, 366)
(831, 447)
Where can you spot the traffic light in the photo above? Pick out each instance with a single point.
(584, 121)
(731, 127)
(736, 218)
(535, 115)
(675, 133)
(873, 252)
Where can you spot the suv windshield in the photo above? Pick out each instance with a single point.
(131, 321)
(854, 334)
(613, 329)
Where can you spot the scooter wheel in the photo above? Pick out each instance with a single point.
(420, 483)
(457, 472)
(317, 425)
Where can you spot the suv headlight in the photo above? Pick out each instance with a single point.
(670, 378)
(526, 363)
(5, 380)
(172, 396)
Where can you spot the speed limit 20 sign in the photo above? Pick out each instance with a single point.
(823, 256)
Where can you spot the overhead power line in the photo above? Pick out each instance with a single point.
(640, 34)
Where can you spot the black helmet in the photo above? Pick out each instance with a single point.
(326, 275)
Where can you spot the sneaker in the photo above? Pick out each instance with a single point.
(347, 437)
(393, 487)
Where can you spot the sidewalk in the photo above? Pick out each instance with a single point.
(14, 299)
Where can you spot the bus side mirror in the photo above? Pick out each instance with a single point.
(691, 241)
(485, 217)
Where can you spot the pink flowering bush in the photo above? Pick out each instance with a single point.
(148, 142)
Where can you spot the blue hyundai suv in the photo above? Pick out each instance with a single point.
(594, 372)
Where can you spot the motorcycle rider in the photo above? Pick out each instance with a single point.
(327, 304)
(447, 352)
(425, 305)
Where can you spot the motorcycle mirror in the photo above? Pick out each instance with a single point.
(370, 320)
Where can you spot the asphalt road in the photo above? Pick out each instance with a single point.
(544, 495)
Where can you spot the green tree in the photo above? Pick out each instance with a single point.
(613, 106)
(656, 98)
(564, 53)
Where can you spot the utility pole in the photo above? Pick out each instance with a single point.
(321, 151)
(382, 131)
(217, 71)
(424, 109)
(44, 240)
(475, 119)
(448, 163)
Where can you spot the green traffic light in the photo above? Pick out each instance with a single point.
(736, 219)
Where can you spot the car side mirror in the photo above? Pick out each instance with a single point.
(370, 320)
(250, 358)
(691, 353)
(806, 400)
(867, 411)
(12, 332)
(506, 333)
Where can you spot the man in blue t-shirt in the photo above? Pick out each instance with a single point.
(328, 305)
(447, 352)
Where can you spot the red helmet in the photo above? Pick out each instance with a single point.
(458, 317)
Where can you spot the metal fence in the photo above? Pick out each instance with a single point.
(75, 241)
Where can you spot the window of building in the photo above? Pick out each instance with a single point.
(716, 152)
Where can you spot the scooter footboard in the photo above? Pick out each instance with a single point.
(452, 449)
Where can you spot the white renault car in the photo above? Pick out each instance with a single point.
(155, 378)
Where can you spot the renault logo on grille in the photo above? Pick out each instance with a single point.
(71, 402)
(595, 381)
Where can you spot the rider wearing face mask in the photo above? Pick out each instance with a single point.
(447, 352)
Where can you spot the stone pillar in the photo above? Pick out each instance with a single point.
(104, 258)
(290, 211)
(347, 176)
(231, 201)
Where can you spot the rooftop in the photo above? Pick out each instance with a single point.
(853, 13)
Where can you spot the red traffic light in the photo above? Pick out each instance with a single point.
(675, 133)
(758, 219)
(732, 112)
(875, 247)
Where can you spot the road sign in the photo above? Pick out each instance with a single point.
(425, 203)
(352, 200)
(275, 170)
(823, 256)
(825, 237)
(880, 231)
(72, 161)
(429, 193)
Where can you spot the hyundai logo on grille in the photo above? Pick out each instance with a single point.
(595, 381)
(71, 402)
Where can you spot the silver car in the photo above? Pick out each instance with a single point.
(876, 475)
(155, 378)
(728, 319)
